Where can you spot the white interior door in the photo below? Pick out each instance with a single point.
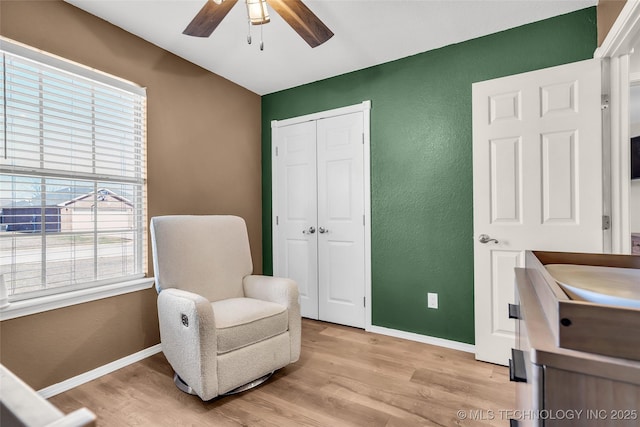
(341, 254)
(537, 183)
(297, 215)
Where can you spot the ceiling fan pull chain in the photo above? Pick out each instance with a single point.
(261, 42)
(249, 34)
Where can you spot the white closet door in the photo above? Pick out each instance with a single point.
(319, 212)
(296, 184)
(341, 262)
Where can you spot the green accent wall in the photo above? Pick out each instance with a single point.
(421, 163)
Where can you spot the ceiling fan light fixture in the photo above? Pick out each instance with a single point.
(298, 16)
(257, 11)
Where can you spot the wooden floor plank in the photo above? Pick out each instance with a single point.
(345, 377)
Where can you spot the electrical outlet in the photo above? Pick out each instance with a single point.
(432, 300)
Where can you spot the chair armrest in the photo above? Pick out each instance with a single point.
(188, 337)
(281, 291)
(274, 289)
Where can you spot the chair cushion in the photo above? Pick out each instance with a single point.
(244, 321)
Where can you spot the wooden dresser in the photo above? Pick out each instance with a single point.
(559, 385)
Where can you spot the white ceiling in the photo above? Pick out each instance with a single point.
(367, 33)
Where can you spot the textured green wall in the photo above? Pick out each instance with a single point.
(421, 176)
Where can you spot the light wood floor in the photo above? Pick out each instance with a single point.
(345, 377)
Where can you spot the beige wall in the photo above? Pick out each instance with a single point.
(608, 11)
(203, 157)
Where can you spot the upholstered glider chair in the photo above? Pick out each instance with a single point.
(222, 329)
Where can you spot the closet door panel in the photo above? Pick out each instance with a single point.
(296, 198)
(340, 156)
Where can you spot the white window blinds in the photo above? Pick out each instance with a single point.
(72, 176)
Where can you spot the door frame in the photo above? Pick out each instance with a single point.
(616, 48)
(365, 108)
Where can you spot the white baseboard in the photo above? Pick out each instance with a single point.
(455, 345)
(66, 385)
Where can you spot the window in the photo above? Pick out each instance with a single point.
(72, 176)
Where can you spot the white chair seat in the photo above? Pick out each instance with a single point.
(245, 321)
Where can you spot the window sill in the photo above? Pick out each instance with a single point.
(52, 302)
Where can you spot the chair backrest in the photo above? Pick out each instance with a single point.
(205, 254)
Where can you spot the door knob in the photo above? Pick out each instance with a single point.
(323, 230)
(484, 238)
(311, 230)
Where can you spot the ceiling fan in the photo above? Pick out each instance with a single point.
(294, 12)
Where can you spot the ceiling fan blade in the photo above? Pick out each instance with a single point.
(208, 18)
(302, 20)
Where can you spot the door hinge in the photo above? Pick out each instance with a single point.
(363, 223)
(606, 222)
(364, 301)
(604, 102)
(277, 220)
(363, 137)
(276, 151)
